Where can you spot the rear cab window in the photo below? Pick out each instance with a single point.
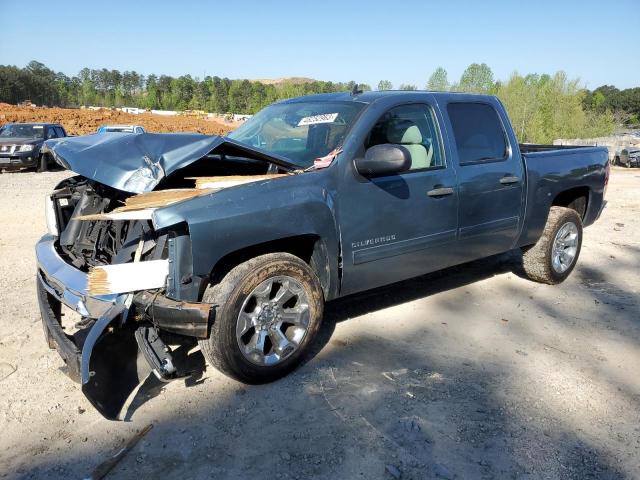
(478, 132)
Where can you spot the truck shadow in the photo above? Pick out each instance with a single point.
(338, 311)
(193, 366)
(343, 309)
(351, 306)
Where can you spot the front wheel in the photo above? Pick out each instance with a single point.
(269, 310)
(554, 256)
(43, 164)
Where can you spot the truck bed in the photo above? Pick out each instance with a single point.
(552, 169)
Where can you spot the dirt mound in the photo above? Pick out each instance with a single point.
(83, 121)
(289, 80)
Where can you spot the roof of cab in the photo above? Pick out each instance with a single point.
(372, 96)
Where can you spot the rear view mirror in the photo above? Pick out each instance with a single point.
(385, 159)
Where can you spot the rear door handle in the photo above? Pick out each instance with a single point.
(509, 179)
(440, 192)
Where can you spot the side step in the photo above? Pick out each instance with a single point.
(156, 353)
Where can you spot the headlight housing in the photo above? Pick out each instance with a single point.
(25, 148)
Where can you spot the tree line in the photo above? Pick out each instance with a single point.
(541, 107)
(545, 107)
(112, 88)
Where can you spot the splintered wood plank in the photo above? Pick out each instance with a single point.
(140, 207)
(145, 203)
(232, 180)
(160, 198)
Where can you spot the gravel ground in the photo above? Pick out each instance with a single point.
(469, 373)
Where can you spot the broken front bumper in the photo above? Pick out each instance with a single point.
(68, 284)
(103, 355)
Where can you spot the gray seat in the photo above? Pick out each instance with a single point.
(407, 134)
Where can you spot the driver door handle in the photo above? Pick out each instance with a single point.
(440, 192)
(508, 179)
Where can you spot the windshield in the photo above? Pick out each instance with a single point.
(22, 131)
(300, 132)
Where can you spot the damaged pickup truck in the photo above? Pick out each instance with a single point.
(238, 241)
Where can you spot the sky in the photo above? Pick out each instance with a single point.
(365, 41)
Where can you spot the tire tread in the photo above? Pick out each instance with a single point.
(536, 260)
(215, 348)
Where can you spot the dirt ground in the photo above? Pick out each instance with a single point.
(472, 372)
(82, 122)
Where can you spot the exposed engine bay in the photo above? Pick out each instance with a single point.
(90, 243)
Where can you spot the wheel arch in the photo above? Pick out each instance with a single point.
(310, 248)
(576, 198)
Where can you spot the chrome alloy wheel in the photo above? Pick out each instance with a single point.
(565, 247)
(273, 321)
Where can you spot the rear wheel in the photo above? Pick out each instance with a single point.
(554, 256)
(269, 311)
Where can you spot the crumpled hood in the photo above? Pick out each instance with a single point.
(136, 163)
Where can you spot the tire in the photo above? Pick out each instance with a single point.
(538, 260)
(43, 164)
(225, 348)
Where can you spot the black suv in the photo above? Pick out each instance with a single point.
(20, 145)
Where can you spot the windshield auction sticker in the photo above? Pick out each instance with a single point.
(315, 119)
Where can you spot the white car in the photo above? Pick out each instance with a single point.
(120, 128)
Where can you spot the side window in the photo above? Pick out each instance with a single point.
(60, 132)
(478, 132)
(51, 133)
(414, 127)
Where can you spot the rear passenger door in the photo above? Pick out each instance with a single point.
(490, 179)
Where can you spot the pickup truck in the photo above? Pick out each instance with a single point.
(20, 145)
(238, 241)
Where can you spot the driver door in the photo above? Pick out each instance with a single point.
(399, 226)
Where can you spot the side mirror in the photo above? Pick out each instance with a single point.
(385, 159)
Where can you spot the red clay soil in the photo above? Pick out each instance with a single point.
(83, 121)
